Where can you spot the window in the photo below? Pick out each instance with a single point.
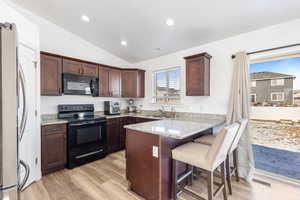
(253, 83)
(252, 98)
(277, 96)
(167, 86)
(277, 82)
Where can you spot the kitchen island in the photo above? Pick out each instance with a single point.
(149, 153)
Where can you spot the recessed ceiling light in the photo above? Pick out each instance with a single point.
(123, 43)
(170, 22)
(85, 18)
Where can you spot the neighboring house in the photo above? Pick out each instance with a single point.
(269, 88)
(296, 94)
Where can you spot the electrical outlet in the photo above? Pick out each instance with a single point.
(155, 151)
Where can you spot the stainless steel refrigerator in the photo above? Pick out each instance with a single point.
(11, 83)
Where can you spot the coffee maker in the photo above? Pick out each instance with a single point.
(131, 107)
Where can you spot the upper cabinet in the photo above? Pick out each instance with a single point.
(89, 69)
(109, 82)
(79, 68)
(51, 73)
(104, 81)
(115, 82)
(133, 83)
(198, 75)
(112, 80)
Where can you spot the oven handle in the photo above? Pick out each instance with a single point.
(87, 123)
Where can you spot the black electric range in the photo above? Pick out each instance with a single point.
(86, 138)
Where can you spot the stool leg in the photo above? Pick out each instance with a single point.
(174, 180)
(190, 179)
(210, 185)
(228, 174)
(224, 180)
(235, 163)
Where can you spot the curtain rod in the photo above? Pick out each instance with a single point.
(272, 49)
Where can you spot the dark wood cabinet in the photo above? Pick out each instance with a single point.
(142, 120)
(133, 83)
(198, 75)
(123, 122)
(113, 135)
(112, 80)
(79, 68)
(89, 69)
(72, 67)
(51, 72)
(109, 82)
(103, 82)
(115, 82)
(54, 147)
(142, 168)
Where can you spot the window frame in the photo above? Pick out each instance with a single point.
(277, 79)
(154, 97)
(282, 93)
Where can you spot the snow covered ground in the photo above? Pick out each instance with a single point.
(276, 135)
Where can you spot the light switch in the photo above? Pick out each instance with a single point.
(155, 151)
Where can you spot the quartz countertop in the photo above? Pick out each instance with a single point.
(176, 128)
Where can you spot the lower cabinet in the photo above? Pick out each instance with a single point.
(54, 147)
(113, 135)
(116, 133)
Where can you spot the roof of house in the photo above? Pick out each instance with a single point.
(269, 75)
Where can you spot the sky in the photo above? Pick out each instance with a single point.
(290, 66)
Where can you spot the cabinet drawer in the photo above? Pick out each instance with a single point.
(54, 128)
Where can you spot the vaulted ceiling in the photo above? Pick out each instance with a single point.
(142, 23)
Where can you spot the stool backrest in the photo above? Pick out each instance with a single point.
(219, 149)
(244, 123)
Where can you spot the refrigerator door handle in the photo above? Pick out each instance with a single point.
(25, 112)
(27, 171)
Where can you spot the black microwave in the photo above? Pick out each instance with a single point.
(80, 85)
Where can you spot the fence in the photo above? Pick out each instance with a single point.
(275, 113)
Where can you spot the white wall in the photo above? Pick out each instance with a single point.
(221, 64)
(275, 113)
(57, 40)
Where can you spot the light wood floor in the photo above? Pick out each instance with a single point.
(105, 180)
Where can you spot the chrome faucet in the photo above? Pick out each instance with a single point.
(162, 111)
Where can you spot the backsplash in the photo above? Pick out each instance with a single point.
(49, 103)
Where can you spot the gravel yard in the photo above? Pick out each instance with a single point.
(276, 135)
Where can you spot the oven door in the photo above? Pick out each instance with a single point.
(80, 85)
(87, 133)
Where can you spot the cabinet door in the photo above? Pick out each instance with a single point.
(141, 84)
(113, 135)
(129, 84)
(198, 75)
(123, 122)
(72, 67)
(115, 83)
(89, 70)
(103, 82)
(54, 148)
(51, 75)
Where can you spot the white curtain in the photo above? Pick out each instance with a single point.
(239, 107)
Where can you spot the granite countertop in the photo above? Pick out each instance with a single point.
(52, 118)
(53, 121)
(176, 128)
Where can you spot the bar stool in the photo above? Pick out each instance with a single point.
(207, 158)
(209, 140)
